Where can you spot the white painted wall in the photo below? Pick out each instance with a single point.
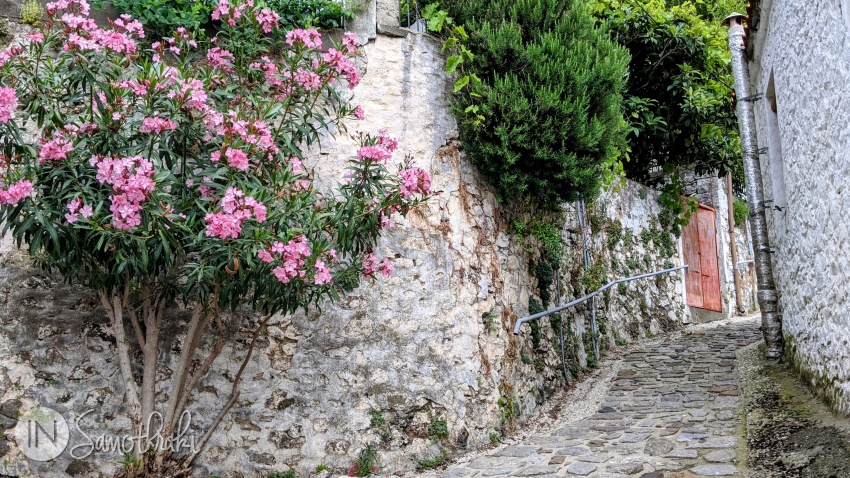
(807, 47)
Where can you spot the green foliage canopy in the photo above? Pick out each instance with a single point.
(542, 117)
(162, 17)
(680, 85)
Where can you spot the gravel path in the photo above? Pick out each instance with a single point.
(672, 411)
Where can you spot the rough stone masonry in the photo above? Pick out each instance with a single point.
(427, 347)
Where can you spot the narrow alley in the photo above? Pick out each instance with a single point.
(673, 410)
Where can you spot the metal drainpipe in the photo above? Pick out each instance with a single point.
(733, 244)
(771, 320)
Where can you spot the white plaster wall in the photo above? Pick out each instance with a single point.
(806, 44)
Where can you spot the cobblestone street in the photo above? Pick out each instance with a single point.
(672, 411)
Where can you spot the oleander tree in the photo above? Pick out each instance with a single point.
(170, 182)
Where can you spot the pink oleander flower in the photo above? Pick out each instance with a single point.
(128, 24)
(55, 149)
(36, 36)
(265, 256)
(132, 183)
(370, 265)
(16, 192)
(359, 114)
(138, 88)
(86, 211)
(293, 255)
(223, 226)
(220, 59)
(88, 128)
(10, 53)
(74, 204)
(81, 6)
(8, 104)
(236, 158)
(386, 221)
(385, 267)
(191, 91)
(310, 37)
(323, 274)
(414, 180)
(157, 125)
(236, 208)
(376, 153)
(267, 19)
(349, 41)
(386, 141)
(343, 66)
(115, 41)
(308, 79)
(297, 165)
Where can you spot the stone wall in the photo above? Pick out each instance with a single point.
(805, 47)
(396, 360)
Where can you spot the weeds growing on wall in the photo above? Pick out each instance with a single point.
(741, 212)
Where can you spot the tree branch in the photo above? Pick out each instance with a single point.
(201, 371)
(200, 319)
(114, 309)
(234, 392)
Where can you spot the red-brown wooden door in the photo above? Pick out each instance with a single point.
(699, 242)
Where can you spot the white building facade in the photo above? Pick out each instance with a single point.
(799, 53)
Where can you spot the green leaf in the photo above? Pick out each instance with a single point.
(452, 63)
(460, 83)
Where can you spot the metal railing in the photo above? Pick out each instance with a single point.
(523, 320)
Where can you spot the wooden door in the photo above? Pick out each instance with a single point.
(699, 241)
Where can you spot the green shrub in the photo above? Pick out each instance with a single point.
(367, 462)
(547, 107)
(740, 211)
(438, 460)
(678, 100)
(290, 473)
(31, 12)
(323, 14)
(438, 429)
(376, 417)
(162, 17)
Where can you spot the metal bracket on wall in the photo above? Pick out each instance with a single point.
(754, 97)
(766, 203)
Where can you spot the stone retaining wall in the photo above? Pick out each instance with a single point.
(395, 362)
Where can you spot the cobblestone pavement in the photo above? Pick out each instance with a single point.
(672, 412)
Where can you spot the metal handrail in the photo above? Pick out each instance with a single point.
(538, 315)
